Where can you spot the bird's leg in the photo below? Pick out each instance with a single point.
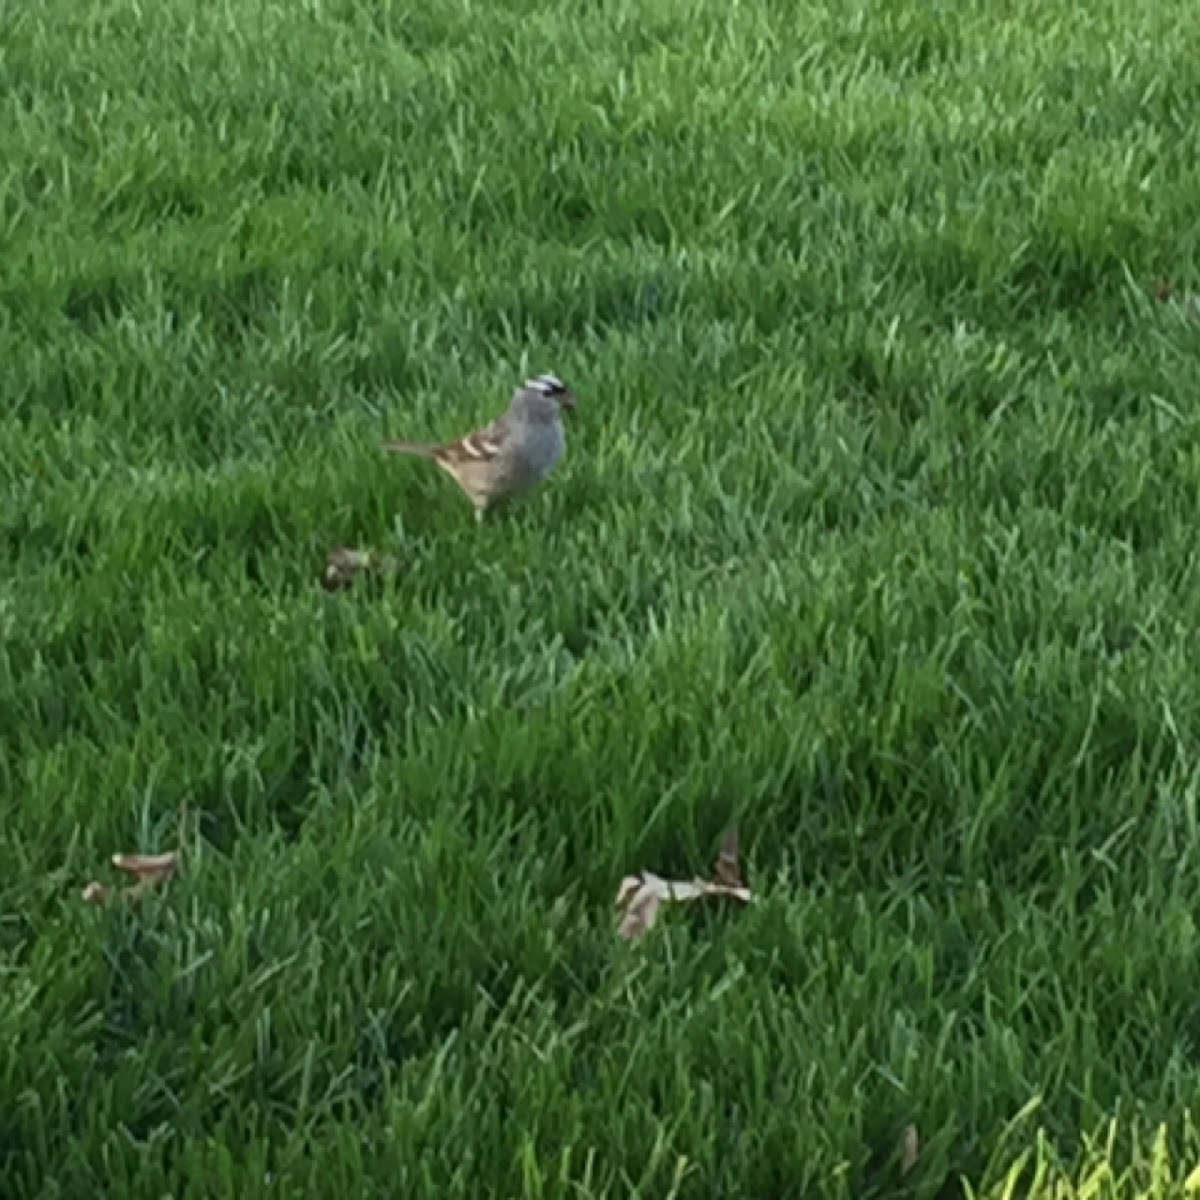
(479, 509)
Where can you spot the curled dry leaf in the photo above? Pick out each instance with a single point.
(344, 563)
(641, 896)
(149, 871)
(728, 870)
(1184, 302)
(341, 567)
(147, 868)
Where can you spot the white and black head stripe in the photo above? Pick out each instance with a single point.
(548, 385)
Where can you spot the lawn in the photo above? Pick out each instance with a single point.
(875, 538)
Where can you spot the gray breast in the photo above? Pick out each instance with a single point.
(542, 451)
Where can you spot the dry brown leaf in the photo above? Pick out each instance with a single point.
(148, 868)
(1185, 302)
(910, 1149)
(344, 563)
(341, 567)
(641, 896)
(728, 869)
(149, 871)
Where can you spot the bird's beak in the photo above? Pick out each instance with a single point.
(568, 401)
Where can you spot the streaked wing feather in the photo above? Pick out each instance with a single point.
(480, 446)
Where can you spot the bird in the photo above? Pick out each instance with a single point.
(513, 454)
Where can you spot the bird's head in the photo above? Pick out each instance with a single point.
(543, 397)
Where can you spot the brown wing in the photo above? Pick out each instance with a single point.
(480, 446)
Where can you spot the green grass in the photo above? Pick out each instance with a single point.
(876, 535)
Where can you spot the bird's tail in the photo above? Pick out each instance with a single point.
(420, 449)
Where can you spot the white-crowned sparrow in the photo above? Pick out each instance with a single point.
(514, 453)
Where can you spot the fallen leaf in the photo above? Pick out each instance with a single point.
(728, 870)
(910, 1149)
(149, 871)
(147, 868)
(641, 896)
(341, 567)
(344, 563)
(1185, 303)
